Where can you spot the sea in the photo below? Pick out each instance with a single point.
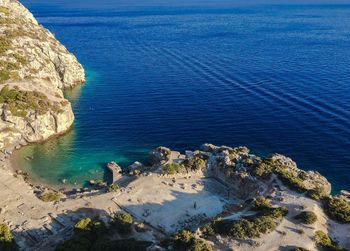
(272, 76)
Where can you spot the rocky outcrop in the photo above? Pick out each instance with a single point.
(310, 180)
(245, 174)
(135, 168)
(160, 155)
(36, 65)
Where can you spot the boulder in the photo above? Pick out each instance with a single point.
(159, 156)
(209, 148)
(114, 166)
(135, 168)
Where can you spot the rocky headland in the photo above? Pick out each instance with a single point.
(213, 198)
(34, 69)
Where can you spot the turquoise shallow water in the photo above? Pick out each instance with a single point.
(275, 78)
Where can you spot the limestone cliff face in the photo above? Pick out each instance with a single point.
(34, 68)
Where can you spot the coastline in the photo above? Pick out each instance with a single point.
(175, 191)
(150, 197)
(15, 167)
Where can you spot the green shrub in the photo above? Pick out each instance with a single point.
(337, 209)
(4, 75)
(7, 243)
(208, 230)
(261, 203)
(112, 188)
(50, 196)
(87, 232)
(274, 212)
(264, 169)
(317, 193)
(123, 222)
(172, 168)
(185, 240)
(194, 164)
(251, 227)
(326, 243)
(83, 225)
(293, 182)
(19, 102)
(307, 217)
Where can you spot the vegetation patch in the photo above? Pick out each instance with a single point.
(5, 44)
(112, 188)
(187, 165)
(185, 240)
(50, 196)
(263, 222)
(194, 164)
(123, 222)
(86, 232)
(4, 10)
(7, 243)
(261, 203)
(307, 217)
(337, 209)
(172, 168)
(326, 243)
(316, 194)
(20, 102)
(93, 235)
(293, 182)
(264, 169)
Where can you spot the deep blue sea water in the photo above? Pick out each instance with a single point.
(275, 78)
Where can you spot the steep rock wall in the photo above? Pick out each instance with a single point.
(36, 67)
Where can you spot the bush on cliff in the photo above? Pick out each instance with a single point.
(293, 182)
(194, 164)
(19, 102)
(172, 168)
(337, 209)
(7, 243)
(317, 193)
(185, 241)
(307, 217)
(264, 169)
(326, 243)
(123, 222)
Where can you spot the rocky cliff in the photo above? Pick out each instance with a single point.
(34, 69)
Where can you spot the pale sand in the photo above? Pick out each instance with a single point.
(36, 224)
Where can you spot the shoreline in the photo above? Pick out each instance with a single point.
(150, 197)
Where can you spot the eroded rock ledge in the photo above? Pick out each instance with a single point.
(34, 69)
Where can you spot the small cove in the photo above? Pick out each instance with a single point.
(273, 78)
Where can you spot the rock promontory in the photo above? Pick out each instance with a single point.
(34, 69)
